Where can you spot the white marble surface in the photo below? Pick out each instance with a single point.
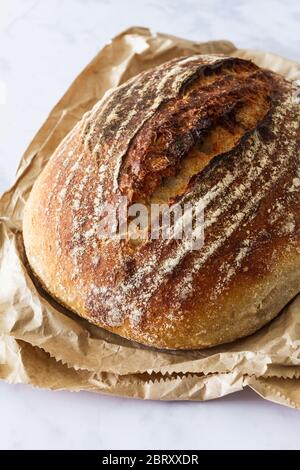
(43, 45)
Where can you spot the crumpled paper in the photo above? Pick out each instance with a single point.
(43, 344)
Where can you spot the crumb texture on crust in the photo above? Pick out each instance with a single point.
(210, 128)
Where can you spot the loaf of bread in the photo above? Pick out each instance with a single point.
(206, 128)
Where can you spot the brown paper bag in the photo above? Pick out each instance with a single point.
(39, 335)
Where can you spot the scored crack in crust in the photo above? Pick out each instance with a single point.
(202, 128)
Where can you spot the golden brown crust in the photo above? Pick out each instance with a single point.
(157, 149)
(207, 128)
